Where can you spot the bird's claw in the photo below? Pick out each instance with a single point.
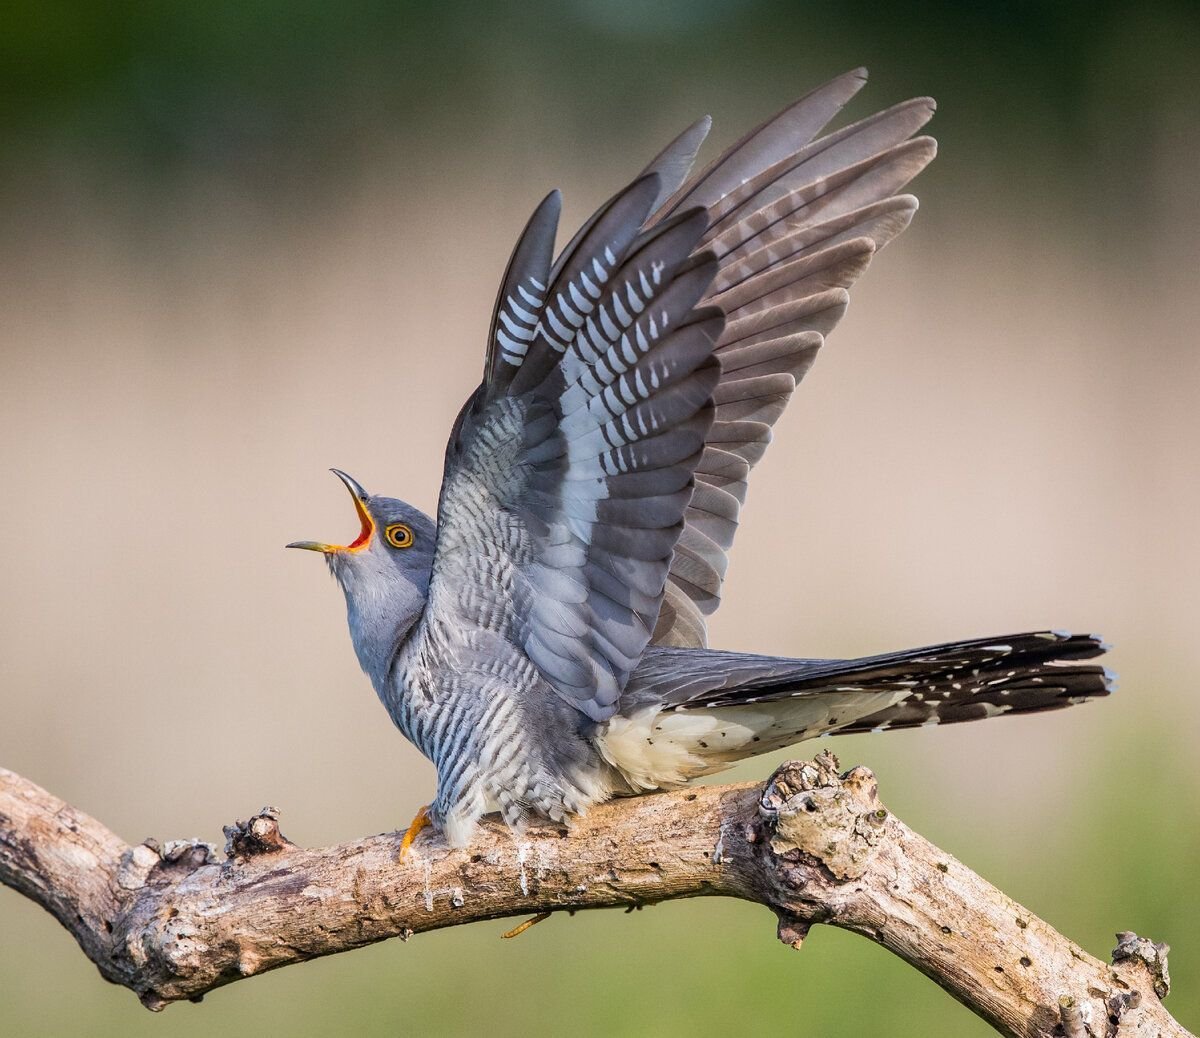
(421, 820)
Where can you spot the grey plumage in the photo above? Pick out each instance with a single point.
(543, 642)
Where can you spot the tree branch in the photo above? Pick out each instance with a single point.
(176, 921)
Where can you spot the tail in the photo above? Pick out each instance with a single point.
(697, 711)
(940, 684)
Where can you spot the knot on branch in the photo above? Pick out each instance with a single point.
(257, 835)
(179, 857)
(816, 816)
(151, 862)
(136, 863)
(1152, 956)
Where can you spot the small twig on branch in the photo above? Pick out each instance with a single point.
(176, 921)
(520, 928)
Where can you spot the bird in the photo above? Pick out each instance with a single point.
(543, 640)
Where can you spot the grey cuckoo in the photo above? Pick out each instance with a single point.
(543, 641)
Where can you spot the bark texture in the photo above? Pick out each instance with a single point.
(175, 921)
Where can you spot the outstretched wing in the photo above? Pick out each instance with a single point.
(593, 481)
(570, 469)
(793, 222)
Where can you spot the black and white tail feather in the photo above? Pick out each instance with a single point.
(694, 712)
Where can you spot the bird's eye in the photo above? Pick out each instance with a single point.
(399, 535)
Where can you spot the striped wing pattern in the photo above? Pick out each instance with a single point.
(569, 471)
(593, 482)
(793, 223)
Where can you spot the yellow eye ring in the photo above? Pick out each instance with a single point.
(399, 535)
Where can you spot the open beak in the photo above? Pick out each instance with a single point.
(360, 497)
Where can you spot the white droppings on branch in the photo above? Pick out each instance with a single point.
(522, 851)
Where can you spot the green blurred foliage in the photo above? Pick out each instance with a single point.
(247, 85)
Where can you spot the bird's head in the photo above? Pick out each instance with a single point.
(384, 573)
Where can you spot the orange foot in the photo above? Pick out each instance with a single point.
(418, 823)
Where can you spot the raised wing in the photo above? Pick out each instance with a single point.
(570, 469)
(593, 482)
(793, 222)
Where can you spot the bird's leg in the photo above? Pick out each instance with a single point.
(420, 822)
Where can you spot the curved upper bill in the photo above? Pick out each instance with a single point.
(360, 497)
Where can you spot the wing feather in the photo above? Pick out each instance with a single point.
(521, 293)
(768, 143)
(594, 482)
(572, 469)
(794, 222)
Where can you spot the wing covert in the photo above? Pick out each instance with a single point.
(571, 468)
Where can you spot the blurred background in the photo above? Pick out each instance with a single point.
(247, 241)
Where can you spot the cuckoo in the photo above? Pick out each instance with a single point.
(543, 641)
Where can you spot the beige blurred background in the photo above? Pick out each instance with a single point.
(224, 270)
